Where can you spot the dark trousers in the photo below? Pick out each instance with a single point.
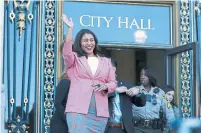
(115, 130)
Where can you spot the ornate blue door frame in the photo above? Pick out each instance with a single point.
(189, 32)
(47, 65)
(29, 74)
(19, 70)
(39, 60)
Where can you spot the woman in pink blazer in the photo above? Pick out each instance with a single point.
(92, 78)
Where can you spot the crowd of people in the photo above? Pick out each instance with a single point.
(92, 99)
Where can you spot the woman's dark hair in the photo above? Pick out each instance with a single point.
(149, 73)
(170, 88)
(77, 44)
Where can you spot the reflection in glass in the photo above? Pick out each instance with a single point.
(140, 36)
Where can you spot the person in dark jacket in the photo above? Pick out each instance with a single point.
(58, 122)
(120, 106)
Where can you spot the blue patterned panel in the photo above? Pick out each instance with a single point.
(48, 70)
(185, 60)
(20, 64)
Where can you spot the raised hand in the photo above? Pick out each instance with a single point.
(68, 22)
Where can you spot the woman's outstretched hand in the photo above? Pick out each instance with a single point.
(68, 22)
(133, 91)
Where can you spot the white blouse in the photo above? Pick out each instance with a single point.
(93, 63)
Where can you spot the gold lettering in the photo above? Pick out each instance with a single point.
(92, 21)
(122, 22)
(149, 25)
(134, 23)
(98, 17)
(81, 20)
(108, 21)
(142, 24)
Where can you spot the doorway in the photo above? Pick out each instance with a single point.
(131, 61)
(163, 64)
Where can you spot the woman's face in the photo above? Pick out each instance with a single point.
(88, 44)
(169, 96)
(143, 78)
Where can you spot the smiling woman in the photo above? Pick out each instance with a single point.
(32, 63)
(92, 78)
(86, 43)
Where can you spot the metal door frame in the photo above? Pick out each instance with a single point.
(194, 47)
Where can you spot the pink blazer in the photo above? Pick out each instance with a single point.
(81, 78)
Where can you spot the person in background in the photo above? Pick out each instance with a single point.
(58, 122)
(149, 118)
(92, 79)
(120, 107)
(172, 112)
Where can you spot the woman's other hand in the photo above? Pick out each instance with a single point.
(68, 22)
(100, 87)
